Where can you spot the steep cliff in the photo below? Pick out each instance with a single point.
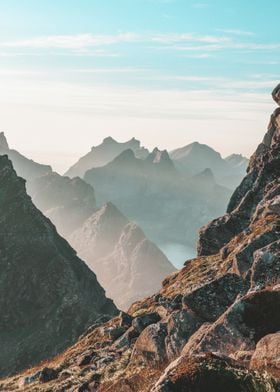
(48, 296)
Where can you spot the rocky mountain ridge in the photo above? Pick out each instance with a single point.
(213, 326)
(48, 295)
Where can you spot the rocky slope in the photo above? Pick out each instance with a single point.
(126, 263)
(213, 326)
(48, 296)
(101, 155)
(167, 206)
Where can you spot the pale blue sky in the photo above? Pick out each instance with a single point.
(166, 71)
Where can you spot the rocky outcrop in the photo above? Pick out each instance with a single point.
(48, 296)
(127, 264)
(101, 155)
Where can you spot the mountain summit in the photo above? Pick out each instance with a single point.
(3, 141)
(105, 153)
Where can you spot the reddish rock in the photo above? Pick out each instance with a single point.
(267, 355)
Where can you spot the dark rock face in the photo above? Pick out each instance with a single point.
(48, 296)
(263, 173)
(205, 374)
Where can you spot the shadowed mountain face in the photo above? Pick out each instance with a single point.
(26, 168)
(127, 264)
(169, 207)
(214, 325)
(48, 296)
(103, 154)
(197, 157)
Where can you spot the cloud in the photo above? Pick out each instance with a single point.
(236, 32)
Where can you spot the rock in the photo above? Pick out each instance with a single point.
(30, 379)
(267, 355)
(115, 333)
(127, 338)
(213, 299)
(125, 320)
(241, 326)
(266, 266)
(150, 346)
(276, 94)
(48, 374)
(141, 322)
(86, 358)
(206, 373)
(3, 141)
(180, 326)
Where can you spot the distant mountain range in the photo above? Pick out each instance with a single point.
(71, 206)
(168, 206)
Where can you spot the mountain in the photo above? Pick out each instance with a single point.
(213, 326)
(196, 157)
(48, 296)
(105, 153)
(238, 161)
(127, 264)
(151, 192)
(71, 206)
(26, 168)
(67, 202)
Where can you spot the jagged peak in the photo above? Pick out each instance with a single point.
(3, 141)
(125, 156)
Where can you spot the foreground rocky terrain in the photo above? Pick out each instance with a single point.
(213, 326)
(48, 296)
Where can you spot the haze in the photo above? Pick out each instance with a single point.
(168, 72)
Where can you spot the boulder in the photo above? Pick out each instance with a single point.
(267, 355)
(141, 322)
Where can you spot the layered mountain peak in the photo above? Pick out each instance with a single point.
(48, 295)
(125, 157)
(3, 141)
(127, 264)
(104, 153)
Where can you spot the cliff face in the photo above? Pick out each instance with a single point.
(48, 296)
(127, 264)
(213, 326)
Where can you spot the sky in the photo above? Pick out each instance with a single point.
(168, 72)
